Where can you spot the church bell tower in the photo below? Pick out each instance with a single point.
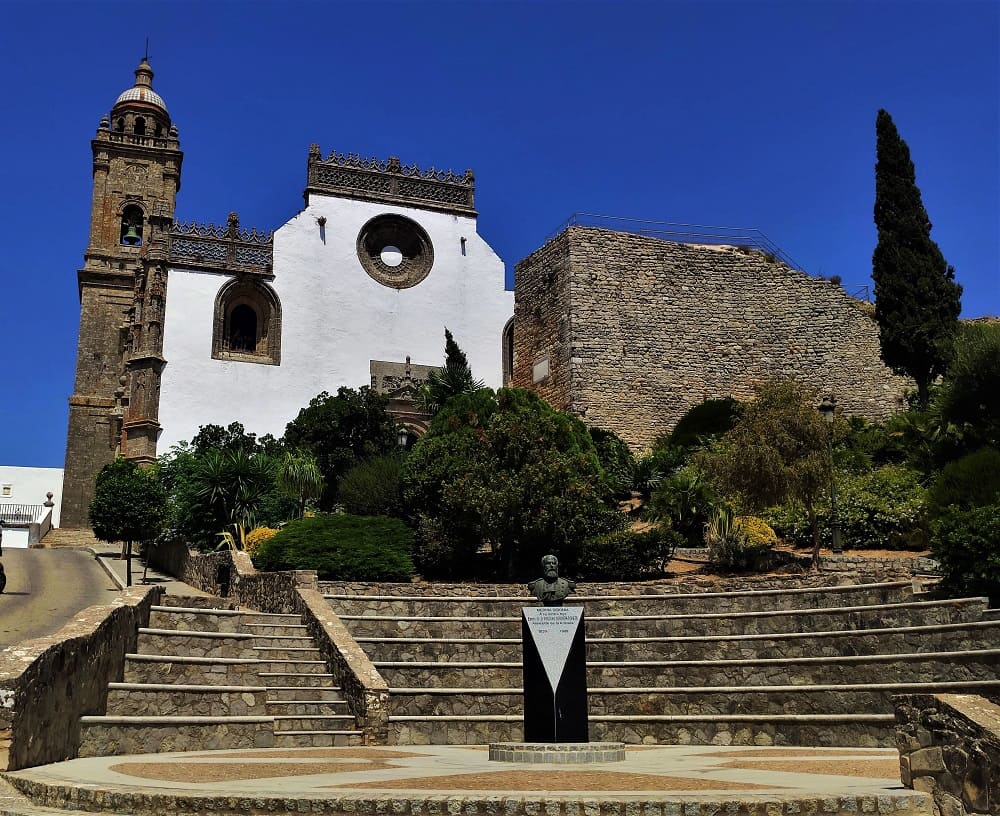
(122, 287)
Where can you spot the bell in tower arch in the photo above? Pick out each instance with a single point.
(131, 232)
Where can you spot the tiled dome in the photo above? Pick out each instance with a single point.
(142, 91)
(138, 94)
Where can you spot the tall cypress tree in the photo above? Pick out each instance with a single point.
(917, 300)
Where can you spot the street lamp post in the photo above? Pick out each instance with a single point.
(828, 408)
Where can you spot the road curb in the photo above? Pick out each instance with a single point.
(111, 573)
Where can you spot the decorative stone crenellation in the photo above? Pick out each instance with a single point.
(390, 181)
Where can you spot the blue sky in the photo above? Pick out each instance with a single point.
(731, 113)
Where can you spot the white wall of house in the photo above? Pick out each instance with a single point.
(28, 485)
(335, 320)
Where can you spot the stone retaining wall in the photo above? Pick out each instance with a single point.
(949, 747)
(687, 584)
(615, 605)
(225, 702)
(364, 689)
(47, 684)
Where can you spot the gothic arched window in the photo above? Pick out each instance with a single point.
(247, 323)
(507, 344)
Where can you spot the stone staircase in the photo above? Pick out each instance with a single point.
(204, 678)
(779, 666)
(66, 537)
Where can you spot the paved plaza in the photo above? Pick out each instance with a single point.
(462, 780)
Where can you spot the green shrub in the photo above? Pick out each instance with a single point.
(971, 392)
(628, 556)
(738, 543)
(684, 498)
(966, 542)
(374, 487)
(342, 548)
(972, 481)
(705, 421)
(879, 510)
(616, 459)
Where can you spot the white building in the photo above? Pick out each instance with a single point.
(355, 280)
(182, 325)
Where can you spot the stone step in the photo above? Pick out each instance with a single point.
(294, 653)
(193, 619)
(272, 618)
(279, 679)
(318, 739)
(913, 613)
(958, 636)
(67, 537)
(116, 735)
(273, 666)
(273, 630)
(304, 693)
(207, 602)
(859, 698)
(312, 722)
(194, 643)
(215, 671)
(289, 642)
(631, 604)
(919, 667)
(859, 730)
(166, 699)
(279, 708)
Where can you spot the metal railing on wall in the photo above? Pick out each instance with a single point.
(11, 514)
(748, 237)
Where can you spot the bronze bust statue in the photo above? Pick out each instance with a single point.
(550, 589)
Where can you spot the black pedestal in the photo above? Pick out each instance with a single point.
(555, 674)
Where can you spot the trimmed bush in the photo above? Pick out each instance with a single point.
(879, 510)
(628, 556)
(972, 481)
(342, 548)
(965, 542)
(373, 487)
(256, 537)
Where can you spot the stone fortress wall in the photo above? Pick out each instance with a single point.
(629, 331)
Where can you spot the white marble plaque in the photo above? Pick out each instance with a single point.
(553, 629)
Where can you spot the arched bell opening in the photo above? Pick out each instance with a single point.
(131, 226)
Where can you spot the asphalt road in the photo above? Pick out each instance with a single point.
(46, 588)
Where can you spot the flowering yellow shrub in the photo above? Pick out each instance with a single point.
(756, 530)
(256, 537)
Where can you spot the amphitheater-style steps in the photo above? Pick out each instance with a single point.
(67, 537)
(806, 666)
(204, 678)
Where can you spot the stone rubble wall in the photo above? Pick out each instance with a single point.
(676, 604)
(638, 330)
(47, 684)
(246, 702)
(949, 747)
(848, 641)
(193, 646)
(361, 684)
(293, 592)
(800, 671)
(117, 740)
(897, 569)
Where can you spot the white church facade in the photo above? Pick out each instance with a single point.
(187, 324)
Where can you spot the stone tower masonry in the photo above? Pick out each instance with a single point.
(122, 285)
